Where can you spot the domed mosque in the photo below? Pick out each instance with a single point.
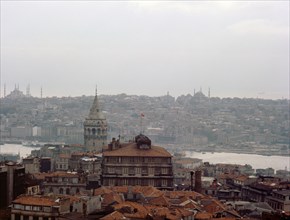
(95, 128)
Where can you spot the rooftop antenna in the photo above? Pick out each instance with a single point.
(4, 90)
(141, 123)
(41, 92)
(96, 92)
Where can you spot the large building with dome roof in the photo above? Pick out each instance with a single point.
(95, 128)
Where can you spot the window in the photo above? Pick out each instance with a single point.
(46, 209)
(111, 169)
(151, 182)
(164, 171)
(138, 170)
(125, 170)
(27, 207)
(118, 170)
(144, 171)
(125, 182)
(131, 171)
(35, 208)
(67, 191)
(111, 182)
(17, 206)
(61, 191)
(157, 171)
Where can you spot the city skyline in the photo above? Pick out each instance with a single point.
(238, 49)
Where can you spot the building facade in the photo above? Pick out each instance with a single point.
(95, 128)
(12, 177)
(280, 200)
(30, 207)
(137, 163)
(64, 183)
(31, 164)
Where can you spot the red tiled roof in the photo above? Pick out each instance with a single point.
(212, 206)
(35, 200)
(114, 216)
(102, 190)
(147, 191)
(180, 194)
(132, 210)
(64, 156)
(131, 150)
(110, 198)
(159, 201)
(203, 215)
(242, 178)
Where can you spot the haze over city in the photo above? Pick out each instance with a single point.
(237, 48)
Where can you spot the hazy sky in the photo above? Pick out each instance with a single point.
(237, 48)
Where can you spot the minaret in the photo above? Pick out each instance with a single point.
(28, 90)
(95, 128)
(209, 93)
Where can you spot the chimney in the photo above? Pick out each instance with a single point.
(191, 180)
(198, 187)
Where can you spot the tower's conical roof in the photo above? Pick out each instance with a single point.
(95, 111)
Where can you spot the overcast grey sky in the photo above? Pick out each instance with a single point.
(237, 48)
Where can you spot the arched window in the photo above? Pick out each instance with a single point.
(89, 131)
(67, 191)
(50, 190)
(94, 131)
(61, 191)
(78, 190)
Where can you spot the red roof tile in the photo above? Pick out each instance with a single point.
(131, 150)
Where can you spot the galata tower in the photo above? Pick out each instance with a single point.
(95, 128)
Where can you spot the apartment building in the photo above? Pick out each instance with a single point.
(137, 163)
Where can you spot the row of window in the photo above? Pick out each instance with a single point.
(34, 208)
(276, 205)
(65, 191)
(75, 180)
(26, 217)
(125, 160)
(95, 131)
(138, 170)
(61, 166)
(140, 182)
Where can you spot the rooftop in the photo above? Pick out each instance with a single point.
(131, 150)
